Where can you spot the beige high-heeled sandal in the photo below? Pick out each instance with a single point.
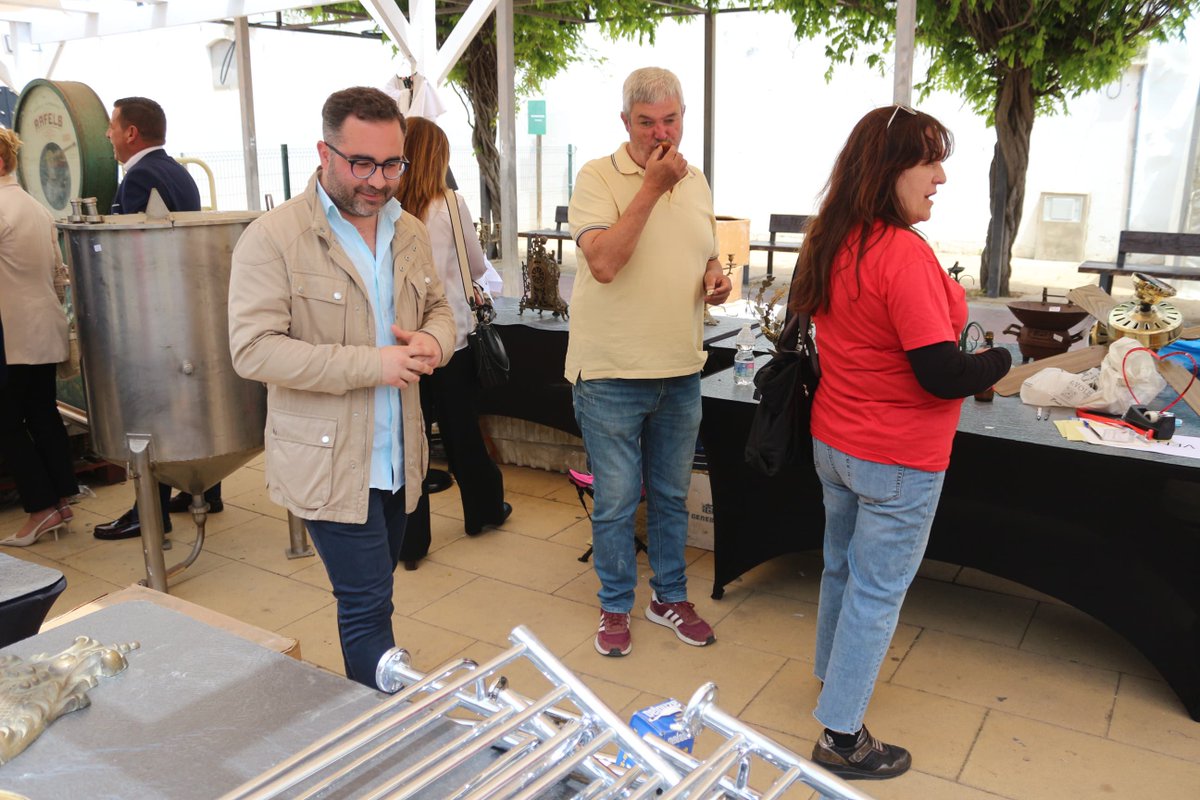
(65, 511)
(51, 523)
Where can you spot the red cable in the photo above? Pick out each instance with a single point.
(1191, 372)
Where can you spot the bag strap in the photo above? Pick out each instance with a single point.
(460, 246)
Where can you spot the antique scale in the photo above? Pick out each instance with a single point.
(64, 153)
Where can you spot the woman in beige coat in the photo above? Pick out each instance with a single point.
(32, 437)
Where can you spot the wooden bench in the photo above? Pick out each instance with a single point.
(555, 233)
(1151, 243)
(781, 223)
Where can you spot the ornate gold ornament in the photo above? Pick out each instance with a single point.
(540, 275)
(34, 693)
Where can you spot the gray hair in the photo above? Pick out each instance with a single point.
(650, 85)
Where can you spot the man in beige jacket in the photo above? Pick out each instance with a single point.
(335, 303)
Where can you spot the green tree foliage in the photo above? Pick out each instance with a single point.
(1009, 59)
(547, 38)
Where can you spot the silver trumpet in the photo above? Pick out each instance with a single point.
(461, 733)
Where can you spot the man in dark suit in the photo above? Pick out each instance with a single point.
(138, 133)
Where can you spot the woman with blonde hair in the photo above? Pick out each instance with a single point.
(32, 437)
(450, 395)
(887, 320)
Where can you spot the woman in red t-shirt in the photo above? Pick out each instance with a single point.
(887, 319)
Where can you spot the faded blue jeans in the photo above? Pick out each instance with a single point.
(639, 432)
(877, 521)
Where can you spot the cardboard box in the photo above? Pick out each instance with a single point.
(265, 638)
(701, 531)
(664, 720)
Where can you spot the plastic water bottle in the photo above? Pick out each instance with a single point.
(743, 359)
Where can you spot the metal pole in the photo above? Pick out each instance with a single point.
(570, 171)
(538, 166)
(246, 92)
(507, 144)
(710, 92)
(906, 28)
(287, 172)
(149, 510)
(298, 536)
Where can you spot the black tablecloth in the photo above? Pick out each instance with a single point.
(1115, 533)
(537, 349)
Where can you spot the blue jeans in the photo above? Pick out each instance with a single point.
(639, 432)
(877, 521)
(359, 560)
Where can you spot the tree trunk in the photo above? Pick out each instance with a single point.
(481, 90)
(1014, 124)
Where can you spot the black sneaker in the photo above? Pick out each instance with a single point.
(868, 759)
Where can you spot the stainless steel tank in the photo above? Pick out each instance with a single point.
(151, 299)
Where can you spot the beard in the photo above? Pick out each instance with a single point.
(358, 199)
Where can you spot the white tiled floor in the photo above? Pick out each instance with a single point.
(1000, 692)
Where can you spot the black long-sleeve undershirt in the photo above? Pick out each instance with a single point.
(946, 372)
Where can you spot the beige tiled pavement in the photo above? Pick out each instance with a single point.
(1000, 692)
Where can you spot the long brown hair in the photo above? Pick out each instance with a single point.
(862, 190)
(428, 152)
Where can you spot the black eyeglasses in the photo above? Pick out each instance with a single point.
(363, 168)
(896, 111)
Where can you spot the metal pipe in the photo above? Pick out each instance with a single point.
(569, 764)
(287, 172)
(630, 741)
(298, 546)
(278, 777)
(532, 762)
(149, 510)
(199, 516)
(73, 415)
(702, 711)
(710, 771)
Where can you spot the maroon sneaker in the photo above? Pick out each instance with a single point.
(613, 638)
(682, 618)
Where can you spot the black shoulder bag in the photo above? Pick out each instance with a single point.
(491, 359)
(784, 388)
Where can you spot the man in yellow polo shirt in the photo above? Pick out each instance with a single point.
(646, 234)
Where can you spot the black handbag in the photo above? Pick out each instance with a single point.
(784, 388)
(487, 349)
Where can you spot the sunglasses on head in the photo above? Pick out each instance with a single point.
(899, 107)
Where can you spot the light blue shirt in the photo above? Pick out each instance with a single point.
(387, 445)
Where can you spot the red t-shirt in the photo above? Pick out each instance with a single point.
(869, 403)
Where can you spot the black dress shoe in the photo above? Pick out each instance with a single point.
(505, 513)
(436, 480)
(182, 504)
(127, 527)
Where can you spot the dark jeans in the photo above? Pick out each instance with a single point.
(451, 397)
(360, 560)
(32, 437)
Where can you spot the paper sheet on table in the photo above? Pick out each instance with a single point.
(1182, 446)
(1071, 429)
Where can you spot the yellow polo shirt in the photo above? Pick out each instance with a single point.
(647, 322)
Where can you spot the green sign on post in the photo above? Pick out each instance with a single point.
(537, 117)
